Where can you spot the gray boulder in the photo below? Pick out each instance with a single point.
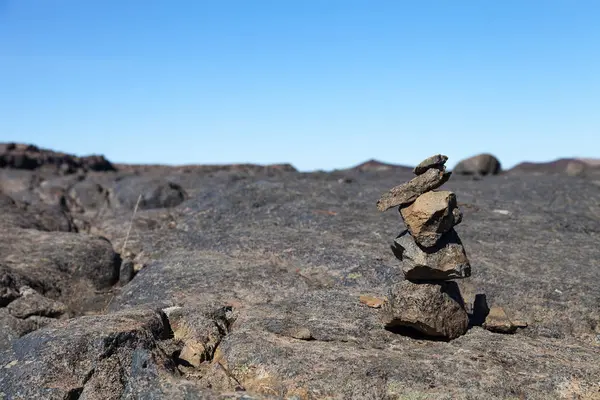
(16, 214)
(154, 192)
(446, 260)
(432, 309)
(482, 164)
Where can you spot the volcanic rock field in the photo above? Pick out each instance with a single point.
(261, 282)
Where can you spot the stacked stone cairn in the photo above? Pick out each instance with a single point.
(428, 301)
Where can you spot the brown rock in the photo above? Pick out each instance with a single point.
(405, 194)
(430, 216)
(498, 321)
(432, 309)
(446, 260)
(371, 301)
(435, 162)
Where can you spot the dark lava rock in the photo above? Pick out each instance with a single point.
(89, 195)
(126, 272)
(405, 194)
(31, 303)
(293, 253)
(155, 193)
(89, 357)
(30, 157)
(436, 162)
(432, 309)
(54, 262)
(482, 164)
(446, 260)
(39, 216)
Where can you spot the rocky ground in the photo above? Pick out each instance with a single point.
(252, 282)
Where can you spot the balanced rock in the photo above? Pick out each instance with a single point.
(435, 162)
(430, 216)
(446, 260)
(405, 194)
(432, 309)
(481, 164)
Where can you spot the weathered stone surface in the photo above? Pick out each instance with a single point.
(90, 357)
(446, 260)
(498, 321)
(403, 195)
(89, 195)
(55, 263)
(32, 303)
(430, 216)
(289, 267)
(39, 216)
(126, 272)
(432, 309)
(481, 164)
(436, 162)
(155, 193)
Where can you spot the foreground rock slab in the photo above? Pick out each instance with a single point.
(446, 260)
(430, 216)
(431, 309)
(403, 195)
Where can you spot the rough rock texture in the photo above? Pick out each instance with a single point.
(481, 164)
(30, 157)
(292, 253)
(406, 193)
(498, 321)
(155, 193)
(430, 216)
(42, 217)
(32, 303)
(56, 263)
(437, 162)
(435, 309)
(446, 260)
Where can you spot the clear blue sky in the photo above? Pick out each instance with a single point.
(321, 84)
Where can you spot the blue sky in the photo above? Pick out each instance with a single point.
(321, 84)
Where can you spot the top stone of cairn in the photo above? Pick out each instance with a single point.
(436, 162)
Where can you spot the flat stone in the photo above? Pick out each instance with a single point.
(436, 162)
(405, 194)
(433, 309)
(498, 321)
(32, 303)
(446, 260)
(430, 216)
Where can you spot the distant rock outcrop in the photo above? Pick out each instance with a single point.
(30, 157)
(375, 165)
(566, 166)
(481, 164)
